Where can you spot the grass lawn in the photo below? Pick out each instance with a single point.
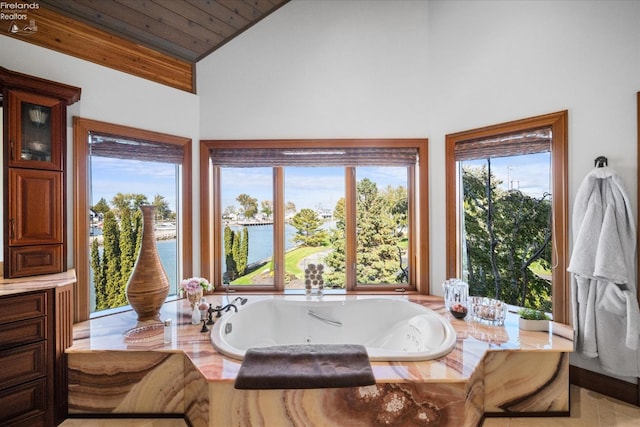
(291, 259)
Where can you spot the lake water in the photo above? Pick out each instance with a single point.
(261, 240)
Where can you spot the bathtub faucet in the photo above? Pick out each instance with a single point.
(219, 309)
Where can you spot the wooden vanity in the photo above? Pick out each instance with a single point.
(36, 326)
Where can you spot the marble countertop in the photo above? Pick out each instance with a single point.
(36, 283)
(122, 332)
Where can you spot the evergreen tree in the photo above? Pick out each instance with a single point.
(111, 239)
(244, 252)
(377, 238)
(101, 207)
(121, 247)
(236, 251)
(308, 231)
(137, 233)
(230, 273)
(377, 242)
(336, 259)
(99, 281)
(127, 244)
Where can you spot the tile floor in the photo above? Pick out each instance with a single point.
(588, 409)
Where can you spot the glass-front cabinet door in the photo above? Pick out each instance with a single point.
(35, 129)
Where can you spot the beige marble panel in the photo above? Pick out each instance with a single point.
(474, 409)
(126, 382)
(196, 396)
(525, 382)
(382, 404)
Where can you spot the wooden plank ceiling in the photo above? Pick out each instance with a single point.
(160, 40)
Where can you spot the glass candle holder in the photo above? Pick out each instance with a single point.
(488, 310)
(455, 291)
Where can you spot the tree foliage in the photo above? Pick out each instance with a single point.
(266, 208)
(101, 207)
(506, 232)
(378, 217)
(308, 228)
(236, 252)
(121, 240)
(99, 277)
(249, 205)
(243, 261)
(111, 259)
(130, 201)
(231, 270)
(163, 211)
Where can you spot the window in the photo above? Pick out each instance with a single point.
(351, 206)
(156, 168)
(506, 235)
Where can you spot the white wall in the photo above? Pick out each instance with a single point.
(321, 69)
(109, 96)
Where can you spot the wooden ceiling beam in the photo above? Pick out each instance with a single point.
(75, 38)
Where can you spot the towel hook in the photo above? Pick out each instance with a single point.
(601, 161)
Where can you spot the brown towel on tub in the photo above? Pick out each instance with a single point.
(305, 366)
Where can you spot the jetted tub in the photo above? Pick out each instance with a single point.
(390, 329)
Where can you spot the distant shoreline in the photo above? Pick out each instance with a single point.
(160, 235)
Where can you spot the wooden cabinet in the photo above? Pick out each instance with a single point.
(35, 330)
(34, 173)
(36, 129)
(26, 360)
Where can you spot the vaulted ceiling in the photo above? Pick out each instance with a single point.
(160, 40)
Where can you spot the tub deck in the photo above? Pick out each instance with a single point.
(493, 370)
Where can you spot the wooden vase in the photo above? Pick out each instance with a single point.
(148, 285)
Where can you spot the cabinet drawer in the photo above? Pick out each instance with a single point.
(24, 306)
(23, 332)
(24, 405)
(34, 260)
(21, 364)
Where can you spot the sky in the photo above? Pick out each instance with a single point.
(312, 187)
(530, 173)
(111, 176)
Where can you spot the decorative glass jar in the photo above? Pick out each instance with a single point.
(455, 291)
(488, 310)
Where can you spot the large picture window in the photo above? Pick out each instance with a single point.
(118, 169)
(275, 207)
(507, 212)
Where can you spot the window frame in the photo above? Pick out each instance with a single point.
(210, 211)
(82, 128)
(558, 123)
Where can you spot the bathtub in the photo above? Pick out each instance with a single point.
(390, 329)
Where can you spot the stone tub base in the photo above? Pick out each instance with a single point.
(492, 371)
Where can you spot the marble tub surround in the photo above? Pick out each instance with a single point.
(454, 390)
